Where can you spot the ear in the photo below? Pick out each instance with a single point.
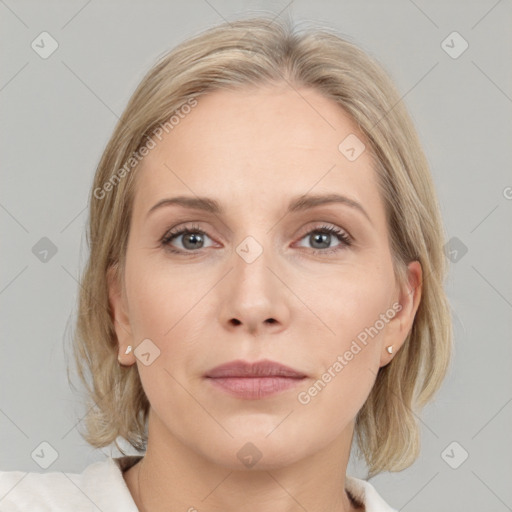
(409, 296)
(120, 317)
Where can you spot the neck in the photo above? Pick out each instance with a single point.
(172, 476)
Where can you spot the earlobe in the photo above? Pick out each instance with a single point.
(119, 315)
(120, 359)
(399, 327)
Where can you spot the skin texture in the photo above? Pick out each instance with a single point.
(253, 150)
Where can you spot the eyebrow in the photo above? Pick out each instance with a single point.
(299, 203)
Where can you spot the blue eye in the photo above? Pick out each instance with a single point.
(193, 239)
(324, 235)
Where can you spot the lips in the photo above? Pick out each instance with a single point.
(254, 381)
(244, 369)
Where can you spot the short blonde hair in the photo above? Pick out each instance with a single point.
(255, 52)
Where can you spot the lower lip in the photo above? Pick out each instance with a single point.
(253, 388)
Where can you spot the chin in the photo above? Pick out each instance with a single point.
(257, 453)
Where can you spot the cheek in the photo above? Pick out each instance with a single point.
(157, 299)
(161, 310)
(166, 307)
(350, 299)
(346, 360)
(150, 309)
(353, 310)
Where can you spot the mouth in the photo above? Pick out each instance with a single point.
(254, 380)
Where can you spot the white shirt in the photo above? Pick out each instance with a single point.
(101, 487)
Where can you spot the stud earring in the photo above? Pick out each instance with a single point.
(390, 349)
(128, 350)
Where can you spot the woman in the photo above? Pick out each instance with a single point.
(265, 280)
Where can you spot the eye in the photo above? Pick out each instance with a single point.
(192, 239)
(321, 238)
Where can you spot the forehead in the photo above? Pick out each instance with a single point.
(257, 146)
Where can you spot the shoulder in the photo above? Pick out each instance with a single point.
(100, 486)
(365, 493)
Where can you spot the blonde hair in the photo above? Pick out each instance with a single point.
(254, 52)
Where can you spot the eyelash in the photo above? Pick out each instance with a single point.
(175, 233)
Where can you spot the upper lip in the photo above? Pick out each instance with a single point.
(264, 368)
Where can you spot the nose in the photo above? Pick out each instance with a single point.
(254, 296)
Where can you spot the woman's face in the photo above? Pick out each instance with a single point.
(257, 280)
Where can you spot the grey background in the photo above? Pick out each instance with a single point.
(57, 114)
